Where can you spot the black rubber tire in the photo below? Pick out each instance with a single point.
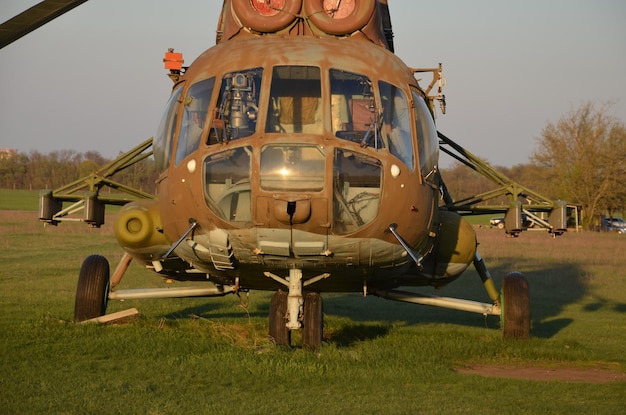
(515, 306)
(279, 332)
(92, 291)
(313, 330)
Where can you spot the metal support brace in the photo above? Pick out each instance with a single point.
(121, 269)
(417, 259)
(485, 276)
(193, 223)
(445, 302)
(316, 279)
(172, 292)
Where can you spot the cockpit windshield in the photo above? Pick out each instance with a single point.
(195, 108)
(353, 110)
(295, 100)
(396, 122)
(237, 106)
(427, 141)
(164, 138)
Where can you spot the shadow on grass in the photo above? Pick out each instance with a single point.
(350, 334)
(214, 309)
(551, 290)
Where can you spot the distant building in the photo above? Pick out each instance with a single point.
(7, 153)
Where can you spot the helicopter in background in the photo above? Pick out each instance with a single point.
(298, 155)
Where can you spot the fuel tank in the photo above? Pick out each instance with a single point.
(453, 252)
(139, 231)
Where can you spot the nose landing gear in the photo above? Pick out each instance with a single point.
(295, 310)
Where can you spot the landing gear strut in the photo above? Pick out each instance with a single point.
(295, 310)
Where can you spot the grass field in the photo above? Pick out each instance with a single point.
(203, 356)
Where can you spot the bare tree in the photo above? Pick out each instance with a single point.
(583, 156)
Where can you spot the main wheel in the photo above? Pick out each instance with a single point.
(278, 321)
(515, 300)
(313, 330)
(92, 291)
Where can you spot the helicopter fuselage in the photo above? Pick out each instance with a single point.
(307, 152)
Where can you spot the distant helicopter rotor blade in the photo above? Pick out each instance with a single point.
(33, 18)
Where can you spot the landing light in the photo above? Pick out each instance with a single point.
(395, 170)
(191, 166)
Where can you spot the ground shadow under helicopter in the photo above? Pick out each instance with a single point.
(551, 290)
(214, 309)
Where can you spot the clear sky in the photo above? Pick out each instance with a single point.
(94, 79)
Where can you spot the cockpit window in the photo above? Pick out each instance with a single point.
(195, 108)
(397, 123)
(427, 141)
(227, 184)
(237, 106)
(295, 98)
(357, 187)
(164, 138)
(292, 168)
(353, 110)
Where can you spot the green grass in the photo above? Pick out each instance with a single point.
(29, 200)
(203, 356)
(19, 199)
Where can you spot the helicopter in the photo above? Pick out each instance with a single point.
(309, 170)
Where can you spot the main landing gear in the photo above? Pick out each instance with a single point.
(297, 310)
(92, 292)
(515, 304)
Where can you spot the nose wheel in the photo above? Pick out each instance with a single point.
(278, 319)
(313, 330)
(295, 310)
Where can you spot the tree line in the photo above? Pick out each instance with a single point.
(580, 159)
(36, 171)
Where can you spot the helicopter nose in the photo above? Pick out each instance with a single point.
(292, 210)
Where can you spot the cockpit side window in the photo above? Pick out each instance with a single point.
(295, 99)
(194, 112)
(353, 110)
(427, 141)
(227, 184)
(397, 123)
(357, 189)
(237, 106)
(162, 145)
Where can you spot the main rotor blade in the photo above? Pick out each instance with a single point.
(33, 18)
